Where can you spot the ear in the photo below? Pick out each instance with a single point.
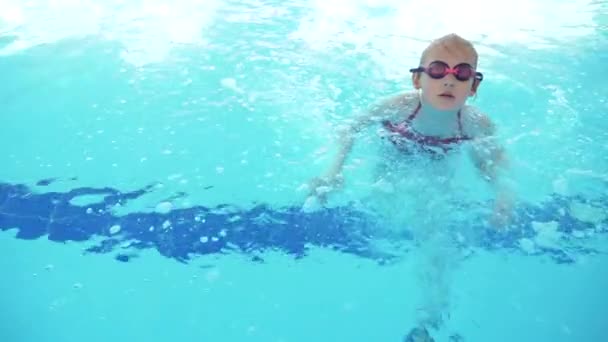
(416, 80)
(474, 87)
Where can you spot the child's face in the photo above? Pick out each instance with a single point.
(447, 93)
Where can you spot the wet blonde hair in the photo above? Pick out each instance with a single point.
(451, 43)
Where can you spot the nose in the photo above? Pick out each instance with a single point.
(449, 80)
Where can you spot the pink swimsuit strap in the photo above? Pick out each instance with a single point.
(405, 130)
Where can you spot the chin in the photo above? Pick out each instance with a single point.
(448, 104)
(445, 106)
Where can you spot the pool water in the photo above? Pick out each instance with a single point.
(155, 158)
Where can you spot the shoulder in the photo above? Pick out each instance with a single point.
(391, 107)
(476, 123)
(395, 104)
(401, 99)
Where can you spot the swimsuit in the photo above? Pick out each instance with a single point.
(404, 136)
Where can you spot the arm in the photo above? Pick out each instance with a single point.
(385, 109)
(488, 155)
(346, 141)
(491, 160)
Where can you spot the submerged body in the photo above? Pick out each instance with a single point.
(422, 129)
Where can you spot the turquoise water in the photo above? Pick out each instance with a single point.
(214, 114)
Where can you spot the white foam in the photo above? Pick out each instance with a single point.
(148, 30)
(588, 213)
(231, 84)
(394, 32)
(163, 207)
(114, 229)
(547, 234)
(385, 29)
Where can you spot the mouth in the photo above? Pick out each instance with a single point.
(446, 95)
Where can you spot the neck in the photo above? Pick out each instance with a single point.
(428, 110)
(436, 121)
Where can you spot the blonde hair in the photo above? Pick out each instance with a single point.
(451, 42)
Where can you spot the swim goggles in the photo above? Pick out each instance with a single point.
(439, 69)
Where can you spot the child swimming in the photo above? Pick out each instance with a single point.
(430, 123)
(433, 120)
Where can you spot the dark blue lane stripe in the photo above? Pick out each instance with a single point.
(183, 233)
(180, 232)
